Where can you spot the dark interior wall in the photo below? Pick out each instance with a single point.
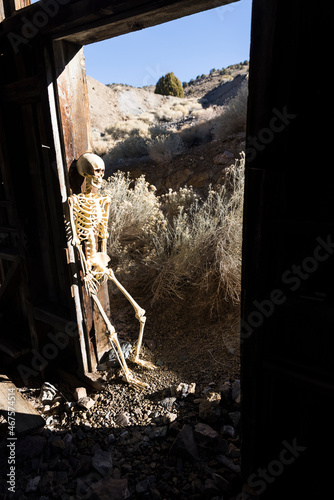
(31, 169)
(288, 261)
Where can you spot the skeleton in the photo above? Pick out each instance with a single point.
(89, 214)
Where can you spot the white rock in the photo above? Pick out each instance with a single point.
(86, 402)
(79, 392)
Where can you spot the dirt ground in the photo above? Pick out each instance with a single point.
(185, 347)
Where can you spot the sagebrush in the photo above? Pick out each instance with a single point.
(178, 245)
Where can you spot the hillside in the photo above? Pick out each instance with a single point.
(110, 103)
(174, 142)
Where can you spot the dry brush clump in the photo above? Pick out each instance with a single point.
(163, 148)
(178, 245)
(233, 118)
(164, 133)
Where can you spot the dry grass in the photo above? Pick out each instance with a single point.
(164, 148)
(178, 245)
(163, 133)
(233, 118)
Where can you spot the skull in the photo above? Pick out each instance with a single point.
(92, 167)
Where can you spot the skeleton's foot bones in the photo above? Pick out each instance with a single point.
(131, 380)
(141, 362)
(144, 364)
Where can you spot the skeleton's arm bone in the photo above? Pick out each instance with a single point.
(75, 239)
(104, 234)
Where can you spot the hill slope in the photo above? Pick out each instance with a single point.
(127, 120)
(110, 103)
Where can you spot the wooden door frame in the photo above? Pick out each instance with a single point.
(70, 117)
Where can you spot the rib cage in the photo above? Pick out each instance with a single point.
(91, 220)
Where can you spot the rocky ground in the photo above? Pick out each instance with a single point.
(182, 443)
(177, 439)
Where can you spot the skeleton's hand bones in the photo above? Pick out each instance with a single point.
(76, 242)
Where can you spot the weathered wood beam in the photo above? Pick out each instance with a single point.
(23, 91)
(15, 408)
(11, 281)
(2, 11)
(8, 7)
(87, 21)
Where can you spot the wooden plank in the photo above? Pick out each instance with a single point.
(8, 254)
(73, 100)
(2, 11)
(76, 128)
(8, 7)
(92, 381)
(101, 339)
(87, 305)
(23, 91)
(127, 17)
(26, 417)
(11, 281)
(12, 349)
(51, 315)
(62, 174)
(20, 4)
(85, 21)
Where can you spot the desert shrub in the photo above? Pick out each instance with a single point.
(135, 215)
(169, 85)
(197, 133)
(233, 118)
(130, 127)
(178, 245)
(164, 148)
(174, 202)
(200, 251)
(132, 147)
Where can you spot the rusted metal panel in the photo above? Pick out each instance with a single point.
(73, 100)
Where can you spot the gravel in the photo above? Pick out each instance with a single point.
(136, 445)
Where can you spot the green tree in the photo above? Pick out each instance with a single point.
(169, 85)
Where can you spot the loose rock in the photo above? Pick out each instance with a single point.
(110, 488)
(204, 434)
(86, 402)
(185, 444)
(79, 392)
(102, 462)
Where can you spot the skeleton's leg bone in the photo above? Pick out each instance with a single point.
(140, 315)
(113, 339)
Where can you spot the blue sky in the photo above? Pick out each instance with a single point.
(188, 46)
